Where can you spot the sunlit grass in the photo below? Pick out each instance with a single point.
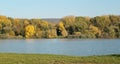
(56, 59)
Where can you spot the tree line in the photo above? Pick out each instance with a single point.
(106, 26)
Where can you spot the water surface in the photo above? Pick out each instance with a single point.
(73, 47)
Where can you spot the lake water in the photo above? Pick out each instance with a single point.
(72, 47)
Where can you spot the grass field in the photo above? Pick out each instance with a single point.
(56, 59)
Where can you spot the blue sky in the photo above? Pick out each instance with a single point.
(58, 8)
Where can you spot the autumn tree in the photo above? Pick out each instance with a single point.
(61, 30)
(81, 24)
(106, 26)
(95, 30)
(88, 34)
(0, 28)
(26, 22)
(68, 23)
(37, 25)
(51, 33)
(5, 25)
(101, 21)
(44, 25)
(115, 20)
(29, 31)
(18, 27)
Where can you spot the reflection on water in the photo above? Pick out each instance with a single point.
(75, 47)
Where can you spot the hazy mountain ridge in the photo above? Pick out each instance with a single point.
(53, 20)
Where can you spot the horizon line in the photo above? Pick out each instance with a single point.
(57, 17)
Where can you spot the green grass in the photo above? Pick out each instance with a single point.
(56, 59)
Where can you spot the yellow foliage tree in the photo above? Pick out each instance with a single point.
(26, 22)
(0, 26)
(5, 21)
(95, 30)
(44, 25)
(51, 33)
(68, 21)
(29, 31)
(16, 22)
(62, 29)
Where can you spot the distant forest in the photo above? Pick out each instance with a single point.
(106, 26)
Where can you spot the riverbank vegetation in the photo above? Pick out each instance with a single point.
(56, 59)
(106, 26)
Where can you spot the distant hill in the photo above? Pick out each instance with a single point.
(53, 20)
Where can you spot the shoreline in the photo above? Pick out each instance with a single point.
(54, 38)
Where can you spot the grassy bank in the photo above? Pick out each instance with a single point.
(56, 59)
